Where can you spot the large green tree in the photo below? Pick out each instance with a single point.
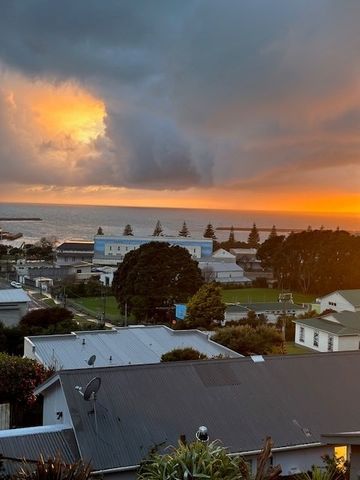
(184, 232)
(48, 321)
(153, 277)
(317, 261)
(179, 354)
(205, 307)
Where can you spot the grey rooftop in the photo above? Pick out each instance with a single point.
(120, 346)
(13, 295)
(293, 399)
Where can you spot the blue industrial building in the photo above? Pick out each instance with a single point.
(110, 250)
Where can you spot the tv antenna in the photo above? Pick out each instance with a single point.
(89, 394)
(91, 361)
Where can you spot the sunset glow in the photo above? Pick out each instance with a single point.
(260, 110)
(68, 111)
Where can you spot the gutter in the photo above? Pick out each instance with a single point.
(115, 470)
(249, 452)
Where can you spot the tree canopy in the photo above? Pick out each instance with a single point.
(205, 307)
(179, 354)
(209, 232)
(244, 339)
(19, 377)
(128, 231)
(154, 276)
(184, 232)
(48, 321)
(254, 237)
(158, 230)
(317, 261)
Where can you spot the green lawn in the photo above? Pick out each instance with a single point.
(95, 305)
(293, 349)
(254, 295)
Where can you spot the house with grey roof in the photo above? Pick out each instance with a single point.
(271, 310)
(14, 304)
(338, 331)
(139, 408)
(341, 300)
(133, 345)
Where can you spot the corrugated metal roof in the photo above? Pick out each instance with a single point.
(30, 443)
(221, 266)
(131, 345)
(13, 295)
(291, 398)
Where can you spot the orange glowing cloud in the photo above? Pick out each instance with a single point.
(69, 111)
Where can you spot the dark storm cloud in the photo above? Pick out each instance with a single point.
(197, 92)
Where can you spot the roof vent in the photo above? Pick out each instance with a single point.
(83, 341)
(257, 358)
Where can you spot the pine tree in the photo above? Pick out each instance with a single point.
(231, 240)
(128, 231)
(184, 232)
(254, 237)
(158, 229)
(100, 231)
(209, 232)
(273, 232)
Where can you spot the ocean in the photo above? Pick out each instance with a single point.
(75, 222)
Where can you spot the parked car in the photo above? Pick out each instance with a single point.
(15, 284)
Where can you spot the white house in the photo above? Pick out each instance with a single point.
(221, 267)
(341, 300)
(333, 332)
(14, 304)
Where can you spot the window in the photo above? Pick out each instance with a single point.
(316, 339)
(78, 270)
(302, 334)
(330, 343)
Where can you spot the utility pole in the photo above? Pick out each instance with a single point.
(126, 314)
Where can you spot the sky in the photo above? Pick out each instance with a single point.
(251, 104)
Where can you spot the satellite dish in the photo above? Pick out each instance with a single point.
(92, 388)
(91, 360)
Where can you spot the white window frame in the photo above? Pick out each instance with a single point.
(302, 335)
(316, 338)
(330, 343)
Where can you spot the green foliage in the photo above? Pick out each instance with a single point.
(244, 339)
(18, 378)
(254, 237)
(179, 354)
(286, 322)
(195, 460)
(155, 275)
(47, 321)
(184, 232)
(209, 232)
(158, 230)
(100, 231)
(205, 307)
(314, 260)
(54, 469)
(207, 461)
(128, 231)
